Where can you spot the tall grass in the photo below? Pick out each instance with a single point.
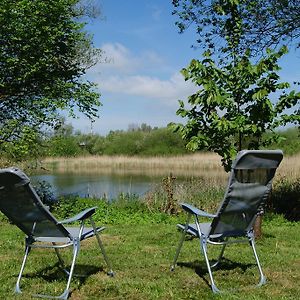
(203, 165)
(290, 167)
(206, 161)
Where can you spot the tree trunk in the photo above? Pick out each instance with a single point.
(257, 226)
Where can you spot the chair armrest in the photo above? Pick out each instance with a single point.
(81, 216)
(195, 211)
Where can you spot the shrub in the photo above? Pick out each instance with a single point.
(126, 209)
(285, 199)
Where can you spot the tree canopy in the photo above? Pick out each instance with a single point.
(265, 24)
(233, 108)
(44, 52)
(238, 100)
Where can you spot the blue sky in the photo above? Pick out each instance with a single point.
(141, 82)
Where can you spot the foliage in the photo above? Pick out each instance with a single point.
(63, 146)
(158, 141)
(285, 199)
(123, 210)
(44, 51)
(234, 106)
(264, 24)
(27, 146)
(93, 144)
(289, 142)
(129, 143)
(163, 141)
(45, 192)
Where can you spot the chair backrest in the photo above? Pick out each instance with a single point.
(248, 188)
(21, 204)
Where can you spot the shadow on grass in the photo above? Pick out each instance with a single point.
(200, 268)
(56, 273)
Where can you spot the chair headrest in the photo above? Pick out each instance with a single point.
(13, 176)
(256, 159)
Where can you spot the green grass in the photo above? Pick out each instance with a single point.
(141, 256)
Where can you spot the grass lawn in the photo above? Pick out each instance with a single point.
(141, 256)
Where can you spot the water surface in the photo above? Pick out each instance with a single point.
(109, 186)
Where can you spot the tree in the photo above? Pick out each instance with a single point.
(44, 52)
(266, 23)
(233, 108)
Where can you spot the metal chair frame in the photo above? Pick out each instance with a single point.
(53, 235)
(233, 223)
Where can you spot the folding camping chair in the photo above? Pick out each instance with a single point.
(23, 207)
(248, 188)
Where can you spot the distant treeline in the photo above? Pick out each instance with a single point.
(137, 140)
(142, 140)
(290, 144)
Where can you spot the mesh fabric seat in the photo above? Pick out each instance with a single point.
(23, 207)
(248, 188)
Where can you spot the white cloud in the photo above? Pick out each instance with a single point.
(121, 60)
(118, 58)
(127, 74)
(151, 87)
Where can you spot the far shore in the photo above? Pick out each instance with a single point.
(206, 165)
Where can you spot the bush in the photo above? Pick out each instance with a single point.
(123, 210)
(141, 141)
(285, 199)
(290, 143)
(64, 146)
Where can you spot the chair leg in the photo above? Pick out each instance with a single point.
(17, 288)
(203, 247)
(178, 250)
(180, 243)
(220, 256)
(108, 263)
(60, 259)
(65, 294)
(76, 246)
(262, 276)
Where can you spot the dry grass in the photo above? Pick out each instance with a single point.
(290, 167)
(204, 165)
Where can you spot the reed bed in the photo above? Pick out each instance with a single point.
(290, 167)
(202, 165)
(206, 165)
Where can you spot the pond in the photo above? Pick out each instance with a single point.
(109, 186)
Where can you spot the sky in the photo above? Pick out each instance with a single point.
(140, 80)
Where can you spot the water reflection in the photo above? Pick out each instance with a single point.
(109, 186)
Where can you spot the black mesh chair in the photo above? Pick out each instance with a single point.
(248, 188)
(23, 207)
